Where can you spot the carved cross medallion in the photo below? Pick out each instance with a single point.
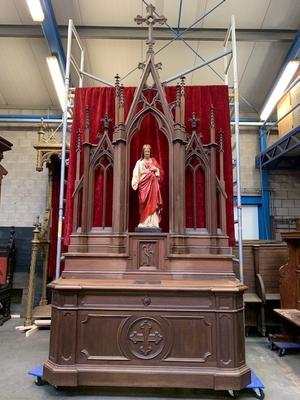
(144, 336)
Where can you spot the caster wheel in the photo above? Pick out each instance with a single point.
(233, 393)
(39, 381)
(281, 352)
(272, 346)
(259, 393)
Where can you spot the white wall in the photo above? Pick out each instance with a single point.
(24, 189)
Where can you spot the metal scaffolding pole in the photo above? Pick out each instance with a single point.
(231, 34)
(198, 66)
(63, 153)
(79, 69)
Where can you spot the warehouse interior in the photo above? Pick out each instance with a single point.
(112, 41)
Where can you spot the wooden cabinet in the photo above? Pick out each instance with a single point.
(5, 145)
(6, 252)
(187, 333)
(7, 263)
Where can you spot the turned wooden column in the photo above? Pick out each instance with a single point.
(179, 143)
(31, 284)
(213, 170)
(85, 209)
(45, 237)
(222, 193)
(76, 210)
(119, 174)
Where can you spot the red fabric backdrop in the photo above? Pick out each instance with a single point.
(199, 99)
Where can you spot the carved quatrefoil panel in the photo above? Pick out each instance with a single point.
(145, 338)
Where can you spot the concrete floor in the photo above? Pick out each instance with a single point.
(18, 354)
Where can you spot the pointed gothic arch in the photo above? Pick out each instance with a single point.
(157, 106)
(150, 132)
(100, 170)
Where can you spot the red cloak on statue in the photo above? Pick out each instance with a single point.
(150, 199)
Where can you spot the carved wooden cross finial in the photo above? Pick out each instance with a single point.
(106, 120)
(194, 121)
(150, 20)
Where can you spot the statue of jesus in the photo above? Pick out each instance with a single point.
(146, 175)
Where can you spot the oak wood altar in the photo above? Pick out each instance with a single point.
(149, 309)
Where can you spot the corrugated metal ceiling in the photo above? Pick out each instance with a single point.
(25, 82)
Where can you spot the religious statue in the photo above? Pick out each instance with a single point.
(146, 176)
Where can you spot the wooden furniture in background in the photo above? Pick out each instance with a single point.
(267, 260)
(7, 265)
(254, 310)
(48, 152)
(262, 260)
(290, 288)
(5, 145)
(7, 249)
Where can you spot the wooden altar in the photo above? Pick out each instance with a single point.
(148, 309)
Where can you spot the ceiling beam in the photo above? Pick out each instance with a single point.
(140, 33)
(52, 35)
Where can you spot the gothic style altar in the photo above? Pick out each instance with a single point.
(152, 308)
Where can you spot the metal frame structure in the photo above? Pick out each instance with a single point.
(283, 154)
(236, 148)
(79, 68)
(271, 157)
(275, 156)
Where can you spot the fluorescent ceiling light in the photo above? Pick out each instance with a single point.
(36, 10)
(58, 80)
(279, 89)
(250, 123)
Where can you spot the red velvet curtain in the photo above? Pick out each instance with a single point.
(199, 99)
(149, 133)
